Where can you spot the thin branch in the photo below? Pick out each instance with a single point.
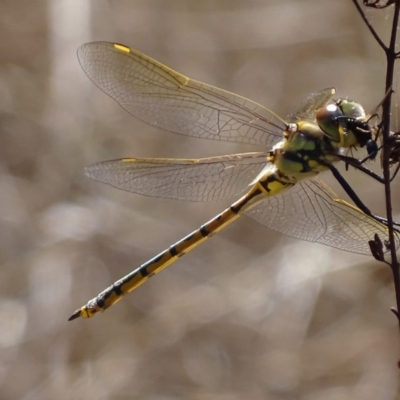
(369, 26)
(386, 116)
(389, 150)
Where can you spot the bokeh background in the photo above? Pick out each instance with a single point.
(249, 315)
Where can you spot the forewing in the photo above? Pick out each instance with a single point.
(308, 108)
(206, 179)
(311, 211)
(171, 101)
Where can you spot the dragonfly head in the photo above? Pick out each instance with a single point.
(345, 124)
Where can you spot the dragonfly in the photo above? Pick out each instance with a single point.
(280, 184)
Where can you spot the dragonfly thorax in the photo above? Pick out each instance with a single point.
(304, 153)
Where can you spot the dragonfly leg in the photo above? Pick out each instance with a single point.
(354, 162)
(354, 197)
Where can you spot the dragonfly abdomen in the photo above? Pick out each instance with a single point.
(116, 291)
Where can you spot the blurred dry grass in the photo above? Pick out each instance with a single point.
(250, 314)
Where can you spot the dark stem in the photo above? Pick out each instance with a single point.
(391, 56)
(369, 26)
(386, 114)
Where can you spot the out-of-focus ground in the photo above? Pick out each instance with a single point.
(249, 315)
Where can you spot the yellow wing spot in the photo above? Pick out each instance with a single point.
(185, 83)
(122, 48)
(128, 160)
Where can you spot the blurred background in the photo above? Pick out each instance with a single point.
(251, 314)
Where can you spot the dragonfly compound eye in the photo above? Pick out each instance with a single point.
(356, 124)
(328, 119)
(351, 109)
(345, 124)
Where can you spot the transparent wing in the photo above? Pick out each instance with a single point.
(205, 179)
(169, 100)
(311, 211)
(308, 108)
